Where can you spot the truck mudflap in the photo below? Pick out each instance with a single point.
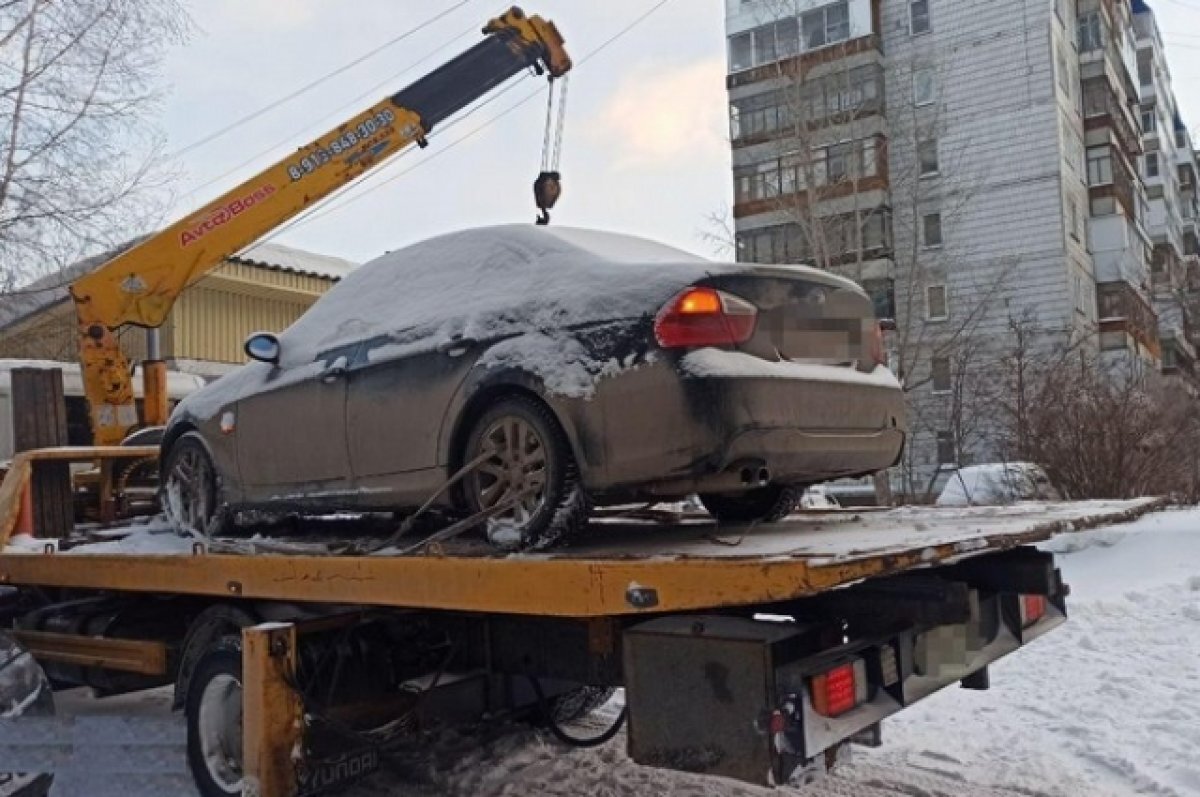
(758, 698)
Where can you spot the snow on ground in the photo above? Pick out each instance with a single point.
(1104, 706)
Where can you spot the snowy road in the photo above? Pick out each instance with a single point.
(1106, 705)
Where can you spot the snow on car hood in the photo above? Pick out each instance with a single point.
(488, 284)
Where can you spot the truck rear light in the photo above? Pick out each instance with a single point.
(1033, 608)
(840, 690)
(705, 317)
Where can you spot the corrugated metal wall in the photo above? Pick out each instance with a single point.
(209, 322)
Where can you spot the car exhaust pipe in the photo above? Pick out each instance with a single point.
(745, 474)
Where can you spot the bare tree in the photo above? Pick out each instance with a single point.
(80, 165)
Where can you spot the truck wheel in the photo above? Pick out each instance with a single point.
(190, 494)
(214, 720)
(531, 463)
(764, 505)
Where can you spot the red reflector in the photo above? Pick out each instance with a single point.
(1033, 608)
(834, 693)
(705, 317)
(778, 723)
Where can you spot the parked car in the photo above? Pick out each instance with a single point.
(997, 484)
(563, 369)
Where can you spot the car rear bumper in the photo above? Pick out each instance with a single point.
(670, 431)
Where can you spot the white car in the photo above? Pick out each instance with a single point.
(997, 483)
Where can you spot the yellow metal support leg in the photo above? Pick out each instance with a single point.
(272, 714)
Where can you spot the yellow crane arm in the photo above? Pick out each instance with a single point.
(140, 286)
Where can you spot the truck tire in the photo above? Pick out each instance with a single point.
(532, 457)
(214, 720)
(764, 505)
(190, 494)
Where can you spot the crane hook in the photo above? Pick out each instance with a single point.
(547, 188)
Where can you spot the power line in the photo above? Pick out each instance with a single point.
(320, 210)
(375, 90)
(324, 78)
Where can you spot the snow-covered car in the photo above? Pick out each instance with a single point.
(552, 370)
(997, 484)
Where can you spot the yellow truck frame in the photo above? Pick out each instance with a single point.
(609, 618)
(140, 286)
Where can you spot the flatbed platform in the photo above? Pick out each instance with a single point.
(623, 567)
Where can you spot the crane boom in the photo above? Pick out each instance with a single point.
(140, 286)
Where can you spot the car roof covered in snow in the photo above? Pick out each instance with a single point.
(476, 283)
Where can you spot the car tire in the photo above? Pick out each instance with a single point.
(763, 505)
(214, 720)
(190, 494)
(532, 456)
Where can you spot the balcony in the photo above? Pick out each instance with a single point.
(1123, 310)
(1103, 109)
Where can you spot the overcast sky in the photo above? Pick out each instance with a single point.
(646, 146)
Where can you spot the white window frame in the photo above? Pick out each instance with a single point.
(933, 381)
(929, 316)
(925, 231)
(937, 158)
(912, 18)
(917, 78)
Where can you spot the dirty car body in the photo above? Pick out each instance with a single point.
(377, 386)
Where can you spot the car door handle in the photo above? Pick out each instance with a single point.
(457, 346)
(333, 374)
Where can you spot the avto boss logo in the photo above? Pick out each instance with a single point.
(220, 216)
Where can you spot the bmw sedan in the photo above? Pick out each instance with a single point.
(522, 376)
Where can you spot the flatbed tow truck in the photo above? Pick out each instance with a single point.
(745, 652)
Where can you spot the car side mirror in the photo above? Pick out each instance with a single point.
(264, 347)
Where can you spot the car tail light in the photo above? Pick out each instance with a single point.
(878, 355)
(705, 317)
(1033, 608)
(841, 689)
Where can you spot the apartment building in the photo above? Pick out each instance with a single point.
(978, 166)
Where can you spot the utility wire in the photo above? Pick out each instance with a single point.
(338, 112)
(323, 79)
(321, 209)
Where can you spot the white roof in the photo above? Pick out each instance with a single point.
(52, 289)
(285, 258)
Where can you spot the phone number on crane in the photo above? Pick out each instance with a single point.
(342, 145)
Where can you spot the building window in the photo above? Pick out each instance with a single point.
(924, 86)
(1152, 164)
(1100, 167)
(931, 229)
(788, 37)
(741, 52)
(947, 453)
(942, 378)
(1073, 217)
(927, 154)
(1091, 32)
(936, 305)
(918, 17)
(1148, 118)
(827, 25)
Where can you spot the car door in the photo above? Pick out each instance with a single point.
(398, 395)
(292, 431)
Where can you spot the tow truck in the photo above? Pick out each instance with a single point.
(744, 652)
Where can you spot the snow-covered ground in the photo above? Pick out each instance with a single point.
(1106, 705)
